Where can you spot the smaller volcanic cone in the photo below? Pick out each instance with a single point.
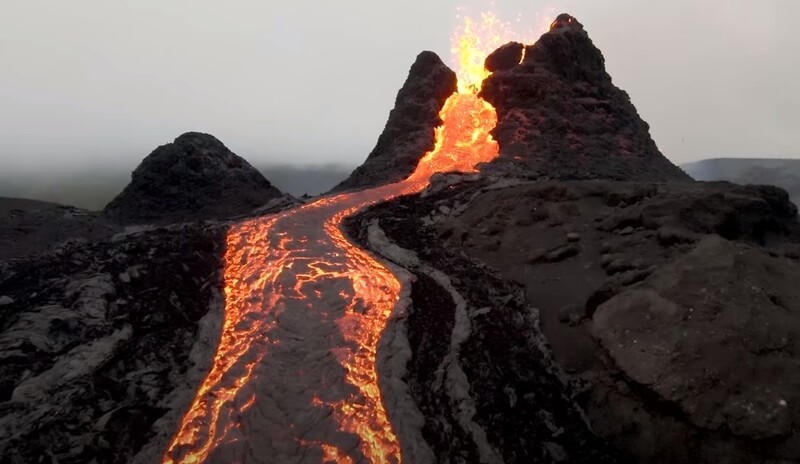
(194, 178)
(409, 132)
(560, 115)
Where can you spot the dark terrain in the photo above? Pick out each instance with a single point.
(672, 307)
(102, 344)
(784, 173)
(522, 399)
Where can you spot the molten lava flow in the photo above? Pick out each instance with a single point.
(295, 371)
(463, 140)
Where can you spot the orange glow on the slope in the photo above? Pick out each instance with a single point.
(297, 261)
(463, 140)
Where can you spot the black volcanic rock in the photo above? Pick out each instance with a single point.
(102, 344)
(409, 132)
(194, 178)
(560, 115)
(505, 57)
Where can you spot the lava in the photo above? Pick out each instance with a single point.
(294, 377)
(475, 40)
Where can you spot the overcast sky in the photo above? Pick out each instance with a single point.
(102, 83)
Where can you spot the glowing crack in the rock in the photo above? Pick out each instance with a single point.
(294, 378)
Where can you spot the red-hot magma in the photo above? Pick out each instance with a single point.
(294, 378)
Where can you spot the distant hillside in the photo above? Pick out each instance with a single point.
(92, 190)
(310, 179)
(9, 204)
(89, 190)
(784, 173)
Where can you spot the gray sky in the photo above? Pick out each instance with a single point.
(101, 83)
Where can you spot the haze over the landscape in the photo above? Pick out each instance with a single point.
(91, 85)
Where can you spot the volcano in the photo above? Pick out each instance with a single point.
(515, 274)
(561, 117)
(195, 177)
(409, 132)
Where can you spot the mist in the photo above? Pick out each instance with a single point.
(94, 188)
(90, 87)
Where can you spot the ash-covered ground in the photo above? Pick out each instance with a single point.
(671, 308)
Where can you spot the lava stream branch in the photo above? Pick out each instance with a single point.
(244, 321)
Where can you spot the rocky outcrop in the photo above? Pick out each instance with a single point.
(409, 132)
(561, 117)
(194, 178)
(505, 57)
(102, 345)
(714, 334)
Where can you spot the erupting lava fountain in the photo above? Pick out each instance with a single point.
(294, 378)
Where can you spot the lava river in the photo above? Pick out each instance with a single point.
(294, 378)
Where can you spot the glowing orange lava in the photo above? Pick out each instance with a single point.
(295, 370)
(475, 40)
